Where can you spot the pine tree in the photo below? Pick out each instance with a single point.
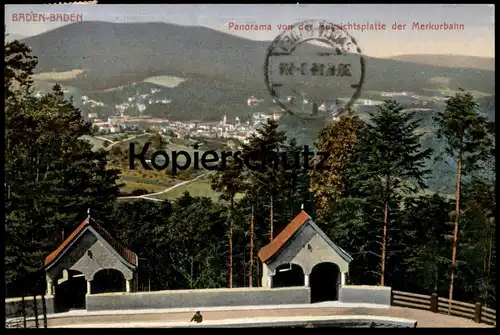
(228, 181)
(189, 249)
(277, 192)
(466, 133)
(19, 65)
(424, 226)
(391, 161)
(135, 224)
(264, 150)
(479, 202)
(51, 176)
(294, 182)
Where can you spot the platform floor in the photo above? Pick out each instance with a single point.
(218, 315)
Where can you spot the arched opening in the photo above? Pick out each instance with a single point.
(70, 292)
(108, 280)
(325, 282)
(288, 275)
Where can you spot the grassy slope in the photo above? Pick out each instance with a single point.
(156, 181)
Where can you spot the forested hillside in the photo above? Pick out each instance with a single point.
(221, 71)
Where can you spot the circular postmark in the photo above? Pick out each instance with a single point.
(314, 70)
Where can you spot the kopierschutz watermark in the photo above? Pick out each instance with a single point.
(47, 17)
(218, 161)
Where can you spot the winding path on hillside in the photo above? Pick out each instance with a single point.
(150, 195)
(95, 141)
(124, 140)
(104, 139)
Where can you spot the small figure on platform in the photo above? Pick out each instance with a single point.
(197, 317)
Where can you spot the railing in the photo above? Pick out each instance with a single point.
(433, 303)
(30, 312)
(488, 315)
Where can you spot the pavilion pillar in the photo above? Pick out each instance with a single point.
(128, 285)
(342, 278)
(269, 281)
(306, 279)
(89, 287)
(50, 288)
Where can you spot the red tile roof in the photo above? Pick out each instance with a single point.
(53, 255)
(270, 250)
(128, 255)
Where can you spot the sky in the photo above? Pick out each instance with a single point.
(476, 39)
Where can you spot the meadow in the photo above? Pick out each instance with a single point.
(59, 76)
(166, 81)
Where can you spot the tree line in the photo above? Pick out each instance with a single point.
(372, 199)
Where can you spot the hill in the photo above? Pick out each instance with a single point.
(114, 54)
(455, 61)
(12, 37)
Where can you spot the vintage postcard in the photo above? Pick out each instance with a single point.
(223, 165)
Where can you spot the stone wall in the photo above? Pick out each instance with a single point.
(380, 295)
(198, 298)
(13, 306)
